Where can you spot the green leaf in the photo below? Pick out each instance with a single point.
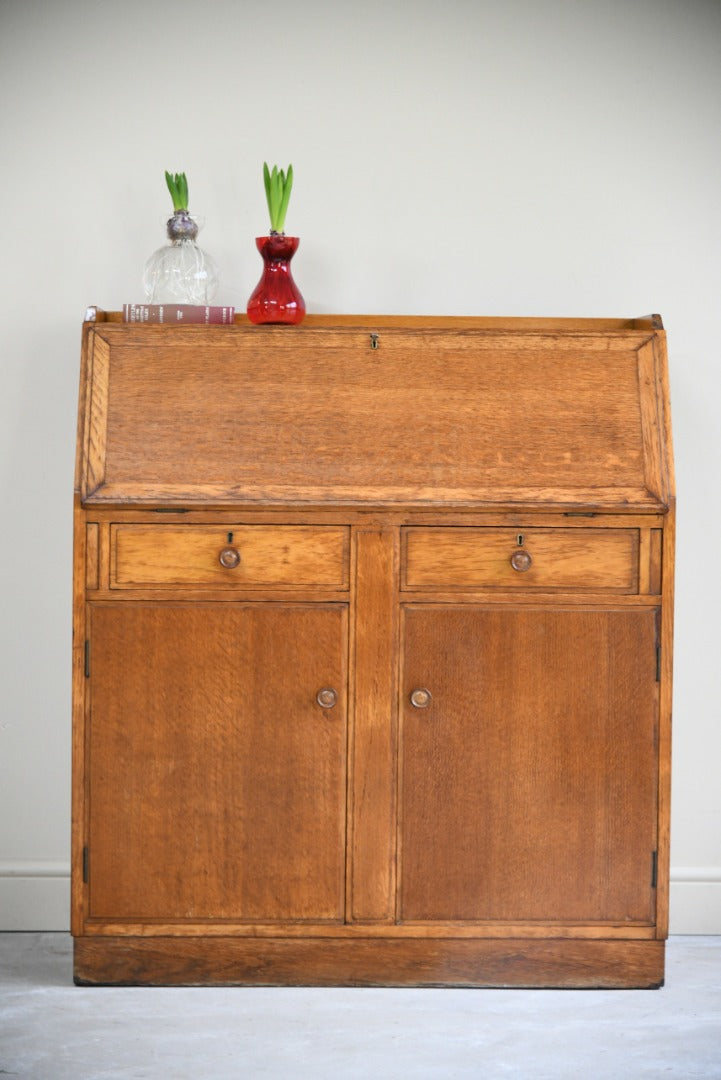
(278, 186)
(288, 185)
(276, 198)
(266, 184)
(178, 188)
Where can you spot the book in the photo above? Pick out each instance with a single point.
(178, 313)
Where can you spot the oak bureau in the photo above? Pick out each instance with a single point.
(372, 653)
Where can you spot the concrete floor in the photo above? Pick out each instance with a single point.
(52, 1030)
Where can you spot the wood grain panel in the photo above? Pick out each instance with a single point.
(96, 419)
(652, 423)
(237, 962)
(161, 555)
(79, 731)
(373, 786)
(92, 556)
(665, 728)
(655, 575)
(216, 782)
(579, 559)
(543, 724)
(431, 415)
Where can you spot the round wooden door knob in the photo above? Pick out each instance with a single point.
(521, 561)
(326, 698)
(229, 557)
(421, 698)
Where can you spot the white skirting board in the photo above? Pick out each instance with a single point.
(35, 895)
(696, 900)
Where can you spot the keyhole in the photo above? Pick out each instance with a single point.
(519, 539)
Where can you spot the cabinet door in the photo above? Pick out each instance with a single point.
(216, 781)
(529, 780)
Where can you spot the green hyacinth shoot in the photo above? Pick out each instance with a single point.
(278, 186)
(178, 188)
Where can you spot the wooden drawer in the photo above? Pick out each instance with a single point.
(563, 558)
(220, 556)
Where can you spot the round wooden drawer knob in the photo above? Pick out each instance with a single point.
(421, 698)
(521, 561)
(326, 698)
(229, 557)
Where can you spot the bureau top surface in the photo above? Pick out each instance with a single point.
(365, 412)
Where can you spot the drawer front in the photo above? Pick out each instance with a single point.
(226, 556)
(564, 558)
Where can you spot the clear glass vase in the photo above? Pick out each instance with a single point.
(181, 272)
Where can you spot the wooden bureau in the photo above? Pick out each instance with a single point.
(372, 653)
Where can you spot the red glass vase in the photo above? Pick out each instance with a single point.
(276, 298)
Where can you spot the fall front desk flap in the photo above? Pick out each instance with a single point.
(360, 411)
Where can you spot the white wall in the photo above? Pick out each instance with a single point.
(529, 157)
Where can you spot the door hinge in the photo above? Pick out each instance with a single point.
(87, 659)
(654, 869)
(85, 865)
(658, 663)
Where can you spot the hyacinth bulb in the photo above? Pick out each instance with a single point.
(181, 272)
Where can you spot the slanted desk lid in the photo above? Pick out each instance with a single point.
(453, 413)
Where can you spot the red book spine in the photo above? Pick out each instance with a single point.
(176, 314)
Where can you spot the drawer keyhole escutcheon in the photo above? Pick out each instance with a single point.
(521, 561)
(326, 697)
(421, 698)
(229, 558)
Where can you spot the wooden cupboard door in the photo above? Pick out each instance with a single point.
(529, 777)
(216, 780)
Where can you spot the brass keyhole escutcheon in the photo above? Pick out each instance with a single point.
(421, 698)
(326, 697)
(229, 558)
(521, 561)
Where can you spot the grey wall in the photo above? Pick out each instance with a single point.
(516, 158)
